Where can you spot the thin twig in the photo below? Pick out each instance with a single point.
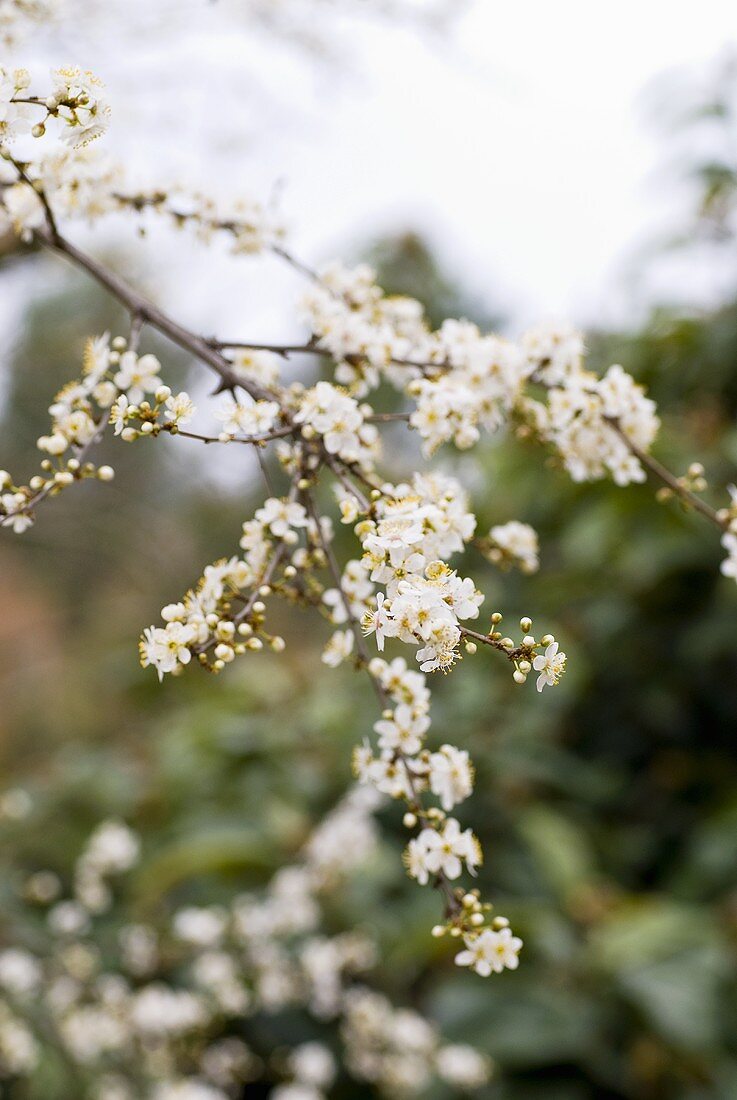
(658, 470)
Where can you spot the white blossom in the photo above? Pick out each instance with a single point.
(491, 952)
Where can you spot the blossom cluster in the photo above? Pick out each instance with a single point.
(464, 382)
(596, 424)
(151, 1017)
(216, 620)
(332, 414)
(512, 544)
(415, 528)
(82, 181)
(112, 388)
(248, 224)
(74, 101)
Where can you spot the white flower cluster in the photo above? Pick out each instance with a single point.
(443, 851)
(400, 1051)
(416, 527)
(82, 182)
(114, 378)
(250, 226)
(247, 417)
(594, 422)
(206, 619)
(476, 393)
(74, 101)
(155, 1021)
(14, 115)
(465, 382)
(111, 850)
(513, 544)
(329, 412)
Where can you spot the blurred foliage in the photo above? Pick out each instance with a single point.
(608, 807)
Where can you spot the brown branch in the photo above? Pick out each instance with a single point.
(658, 470)
(254, 440)
(139, 306)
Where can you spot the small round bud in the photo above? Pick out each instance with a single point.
(525, 624)
(547, 639)
(471, 648)
(259, 607)
(38, 130)
(5, 479)
(290, 572)
(278, 644)
(63, 478)
(36, 483)
(497, 617)
(119, 343)
(525, 666)
(410, 820)
(438, 930)
(224, 652)
(245, 630)
(255, 644)
(128, 435)
(507, 643)
(469, 900)
(519, 677)
(477, 919)
(264, 590)
(162, 393)
(106, 473)
(528, 640)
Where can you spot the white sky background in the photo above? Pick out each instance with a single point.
(517, 143)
